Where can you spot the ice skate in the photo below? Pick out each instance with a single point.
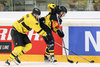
(46, 58)
(53, 59)
(7, 62)
(17, 61)
(49, 58)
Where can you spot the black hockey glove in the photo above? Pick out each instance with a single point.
(60, 33)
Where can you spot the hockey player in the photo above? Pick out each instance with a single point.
(52, 22)
(21, 41)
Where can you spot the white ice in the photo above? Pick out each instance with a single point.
(43, 64)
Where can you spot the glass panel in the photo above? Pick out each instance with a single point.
(18, 5)
(4, 5)
(77, 5)
(28, 5)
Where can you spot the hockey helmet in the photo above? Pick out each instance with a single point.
(58, 9)
(36, 11)
(63, 9)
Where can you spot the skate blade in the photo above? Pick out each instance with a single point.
(7, 64)
(16, 62)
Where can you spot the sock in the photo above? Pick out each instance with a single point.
(15, 53)
(47, 53)
(12, 56)
(51, 52)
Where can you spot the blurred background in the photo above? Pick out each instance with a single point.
(71, 5)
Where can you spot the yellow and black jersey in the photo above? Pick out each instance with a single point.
(52, 20)
(28, 22)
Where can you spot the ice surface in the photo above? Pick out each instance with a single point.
(43, 64)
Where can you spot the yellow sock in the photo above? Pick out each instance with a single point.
(15, 52)
(51, 52)
(47, 53)
(12, 56)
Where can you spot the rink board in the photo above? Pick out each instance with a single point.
(60, 58)
(84, 40)
(91, 54)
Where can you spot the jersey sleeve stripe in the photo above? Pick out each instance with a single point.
(27, 27)
(40, 31)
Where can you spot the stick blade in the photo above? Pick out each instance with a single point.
(92, 61)
(70, 61)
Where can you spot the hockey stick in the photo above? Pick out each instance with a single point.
(92, 61)
(70, 61)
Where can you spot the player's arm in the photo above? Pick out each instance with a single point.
(58, 31)
(54, 22)
(36, 26)
(56, 25)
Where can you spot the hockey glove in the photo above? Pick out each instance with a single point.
(60, 33)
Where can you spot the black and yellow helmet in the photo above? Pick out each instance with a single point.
(51, 7)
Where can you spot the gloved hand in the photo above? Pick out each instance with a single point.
(60, 33)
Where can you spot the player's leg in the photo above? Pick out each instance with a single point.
(49, 41)
(18, 44)
(27, 45)
(25, 49)
(46, 50)
(51, 51)
(14, 54)
(47, 53)
(50, 48)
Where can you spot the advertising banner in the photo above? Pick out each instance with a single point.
(5, 47)
(38, 44)
(84, 40)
